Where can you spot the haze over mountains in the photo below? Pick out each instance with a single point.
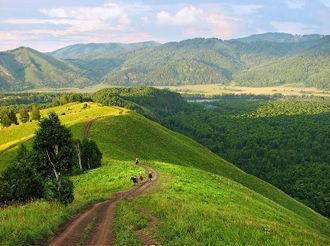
(259, 60)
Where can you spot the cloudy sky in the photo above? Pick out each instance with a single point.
(50, 24)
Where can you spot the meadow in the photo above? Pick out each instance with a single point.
(200, 199)
(27, 224)
(69, 115)
(195, 207)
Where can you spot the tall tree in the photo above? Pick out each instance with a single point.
(23, 114)
(35, 113)
(55, 156)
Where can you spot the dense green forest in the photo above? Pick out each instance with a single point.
(285, 142)
(260, 60)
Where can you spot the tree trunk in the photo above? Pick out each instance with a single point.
(79, 156)
(57, 174)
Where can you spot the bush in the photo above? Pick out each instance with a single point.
(20, 182)
(64, 195)
(91, 156)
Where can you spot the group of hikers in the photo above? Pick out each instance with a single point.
(136, 179)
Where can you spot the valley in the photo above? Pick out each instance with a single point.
(196, 190)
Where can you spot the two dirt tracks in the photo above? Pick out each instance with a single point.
(101, 216)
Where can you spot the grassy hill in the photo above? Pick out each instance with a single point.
(25, 68)
(69, 115)
(200, 198)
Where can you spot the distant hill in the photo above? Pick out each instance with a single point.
(98, 49)
(259, 60)
(25, 68)
(281, 37)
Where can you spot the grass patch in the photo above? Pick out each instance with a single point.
(87, 232)
(222, 212)
(26, 224)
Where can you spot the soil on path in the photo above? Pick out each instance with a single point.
(102, 213)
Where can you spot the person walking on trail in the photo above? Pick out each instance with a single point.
(137, 162)
(134, 179)
(141, 178)
(150, 175)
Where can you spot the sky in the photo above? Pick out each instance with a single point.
(47, 25)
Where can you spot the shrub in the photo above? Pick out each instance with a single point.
(62, 193)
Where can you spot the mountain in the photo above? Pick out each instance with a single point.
(199, 198)
(259, 60)
(195, 61)
(25, 68)
(98, 49)
(281, 38)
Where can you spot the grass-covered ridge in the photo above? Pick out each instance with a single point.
(200, 198)
(132, 135)
(195, 207)
(69, 115)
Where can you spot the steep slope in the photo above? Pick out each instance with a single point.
(25, 68)
(131, 136)
(98, 49)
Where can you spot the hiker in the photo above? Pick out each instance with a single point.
(134, 179)
(141, 178)
(150, 175)
(137, 161)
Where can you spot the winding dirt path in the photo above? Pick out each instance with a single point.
(88, 126)
(102, 213)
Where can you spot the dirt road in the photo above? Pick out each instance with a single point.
(101, 215)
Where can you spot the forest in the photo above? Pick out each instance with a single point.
(285, 142)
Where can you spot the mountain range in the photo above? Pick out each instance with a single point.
(258, 60)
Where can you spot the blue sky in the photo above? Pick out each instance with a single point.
(47, 24)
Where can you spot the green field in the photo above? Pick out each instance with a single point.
(200, 199)
(69, 114)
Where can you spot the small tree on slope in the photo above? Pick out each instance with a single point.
(23, 114)
(35, 113)
(55, 158)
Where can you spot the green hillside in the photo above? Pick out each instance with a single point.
(200, 198)
(25, 68)
(259, 60)
(98, 49)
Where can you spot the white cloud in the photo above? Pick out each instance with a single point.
(294, 27)
(207, 20)
(295, 4)
(78, 20)
(186, 16)
(249, 9)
